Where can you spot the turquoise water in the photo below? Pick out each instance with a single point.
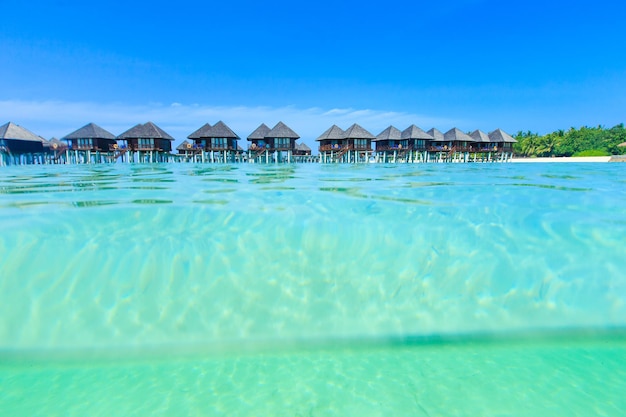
(439, 290)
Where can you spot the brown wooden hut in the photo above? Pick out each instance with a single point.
(461, 145)
(219, 137)
(358, 138)
(332, 140)
(481, 141)
(282, 138)
(502, 144)
(357, 143)
(416, 139)
(20, 146)
(185, 148)
(461, 142)
(389, 144)
(438, 143)
(280, 142)
(147, 137)
(57, 145)
(147, 141)
(390, 140)
(54, 151)
(258, 137)
(16, 140)
(91, 137)
(302, 149)
(353, 144)
(501, 141)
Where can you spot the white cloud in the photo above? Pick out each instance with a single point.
(59, 118)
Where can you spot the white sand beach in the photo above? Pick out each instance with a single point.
(565, 159)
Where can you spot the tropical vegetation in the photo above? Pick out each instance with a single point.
(586, 141)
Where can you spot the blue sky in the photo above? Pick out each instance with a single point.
(471, 64)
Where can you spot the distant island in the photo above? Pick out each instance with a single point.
(585, 141)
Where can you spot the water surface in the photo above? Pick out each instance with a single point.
(440, 289)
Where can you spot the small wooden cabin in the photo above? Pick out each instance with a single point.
(331, 140)
(258, 138)
(146, 137)
(280, 142)
(416, 138)
(302, 149)
(358, 139)
(91, 137)
(351, 145)
(219, 137)
(482, 143)
(16, 140)
(439, 143)
(461, 142)
(282, 138)
(390, 140)
(185, 148)
(502, 141)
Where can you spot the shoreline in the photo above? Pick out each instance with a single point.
(565, 159)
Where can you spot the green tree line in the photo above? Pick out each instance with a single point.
(586, 141)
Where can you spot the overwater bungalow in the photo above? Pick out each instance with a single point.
(438, 142)
(185, 148)
(90, 144)
(215, 143)
(502, 144)
(277, 144)
(54, 151)
(418, 143)
(331, 141)
(19, 145)
(481, 141)
(461, 145)
(257, 137)
(302, 149)
(439, 146)
(148, 141)
(389, 144)
(351, 145)
(359, 139)
(461, 141)
(357, 144)
(482, 148)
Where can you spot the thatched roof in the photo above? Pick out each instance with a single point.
(456, 135)
(281, 130)
(12, 131)
(90, 131)
(184, 146)
(332, 133)
(357, 132)
(220, 130)
(391, 133)
(203, 132)
(499, 136)
(259, 133)
(436, 134)
(302, 147)
(414, 132)
(145, 131)
(55, 143)
(480, 136)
